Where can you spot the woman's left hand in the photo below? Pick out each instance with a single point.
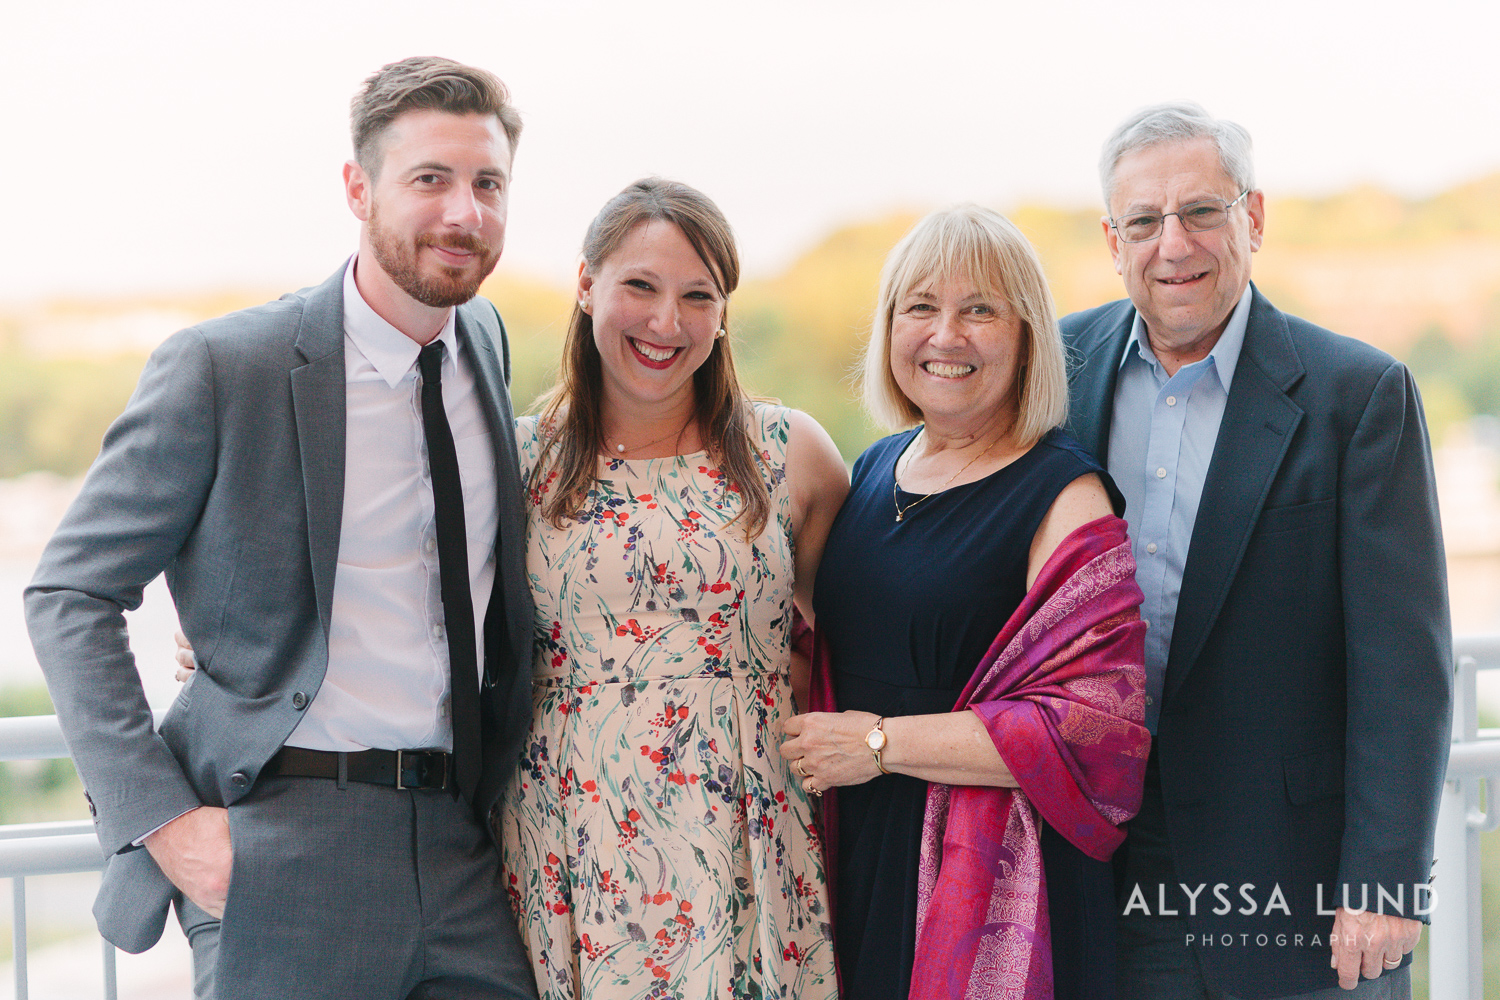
(185, 662)
(827, 749)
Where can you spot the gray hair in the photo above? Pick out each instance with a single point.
(1178, 121)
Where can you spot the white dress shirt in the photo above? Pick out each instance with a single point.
(387, 681)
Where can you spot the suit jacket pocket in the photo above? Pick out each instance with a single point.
(1314, 775)
(1275, 520)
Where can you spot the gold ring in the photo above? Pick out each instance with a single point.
(1389, 964)
(800, 769)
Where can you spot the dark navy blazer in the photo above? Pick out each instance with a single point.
(1305, 713)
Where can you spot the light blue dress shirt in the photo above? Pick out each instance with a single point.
(1161, 440)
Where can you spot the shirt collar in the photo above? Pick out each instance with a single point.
(392, 353)
(1225, 353)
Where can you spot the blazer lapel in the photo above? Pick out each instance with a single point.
(479, 333)
(1259, 421)
(318, 402)
(1093, 381)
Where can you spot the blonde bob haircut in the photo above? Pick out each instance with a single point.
(973, 243)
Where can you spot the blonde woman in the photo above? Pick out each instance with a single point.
(978, 646)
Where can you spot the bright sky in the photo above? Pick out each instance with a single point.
(157, 146)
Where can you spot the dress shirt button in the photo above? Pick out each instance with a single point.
(1151, 547)
(239, 779)
(431, 545)
(1171, 400)
(1161, 473)
(437, 631)
(1150, 700)
(299, 701)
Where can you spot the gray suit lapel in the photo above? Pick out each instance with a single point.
(1259, 422)
(318, 401)
(479, 329)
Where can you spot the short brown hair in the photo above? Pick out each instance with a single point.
(425, 83)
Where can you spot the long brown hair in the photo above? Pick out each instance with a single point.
(572, 424)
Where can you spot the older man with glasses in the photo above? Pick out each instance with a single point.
(1280, 496)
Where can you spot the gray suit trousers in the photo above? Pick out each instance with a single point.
(358, 891)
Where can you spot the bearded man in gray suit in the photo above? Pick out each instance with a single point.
(330, 483)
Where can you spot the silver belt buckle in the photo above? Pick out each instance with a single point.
(401, 766)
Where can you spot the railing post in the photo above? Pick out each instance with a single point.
(1455, 943)
(111, 990)
(18, 933)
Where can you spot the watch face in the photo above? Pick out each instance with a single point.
(875, 739)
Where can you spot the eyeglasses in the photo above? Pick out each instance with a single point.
(1199, 217)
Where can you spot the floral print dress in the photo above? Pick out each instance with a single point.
(654, 842)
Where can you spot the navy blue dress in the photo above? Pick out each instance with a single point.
(907, 610)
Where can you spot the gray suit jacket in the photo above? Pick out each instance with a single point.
(226, 472)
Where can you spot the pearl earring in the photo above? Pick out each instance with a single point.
(722, 333)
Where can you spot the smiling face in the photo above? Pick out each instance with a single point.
(435, 214)
(656, 310)
(1184, 284)
(956, 352)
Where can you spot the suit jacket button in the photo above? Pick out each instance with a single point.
(299, 701)
(239, 779)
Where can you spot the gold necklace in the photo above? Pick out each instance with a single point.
(621, 449)
(896, 482)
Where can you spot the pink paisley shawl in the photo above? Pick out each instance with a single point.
(1061, 692)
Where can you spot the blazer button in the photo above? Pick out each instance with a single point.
(299, 701)
(239, 779)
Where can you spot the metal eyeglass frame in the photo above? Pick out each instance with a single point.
(1162, 225)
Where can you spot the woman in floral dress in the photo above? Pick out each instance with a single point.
(654, 842)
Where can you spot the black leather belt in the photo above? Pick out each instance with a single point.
(391, 768)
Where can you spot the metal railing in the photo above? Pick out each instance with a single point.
(1470, 807)
(46, 849)
(29, 849)
(1455, 950)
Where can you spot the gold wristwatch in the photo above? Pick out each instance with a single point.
(875, 740)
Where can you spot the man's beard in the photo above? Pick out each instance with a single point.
(451, 286)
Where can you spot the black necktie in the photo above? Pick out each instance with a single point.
(453, 572)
